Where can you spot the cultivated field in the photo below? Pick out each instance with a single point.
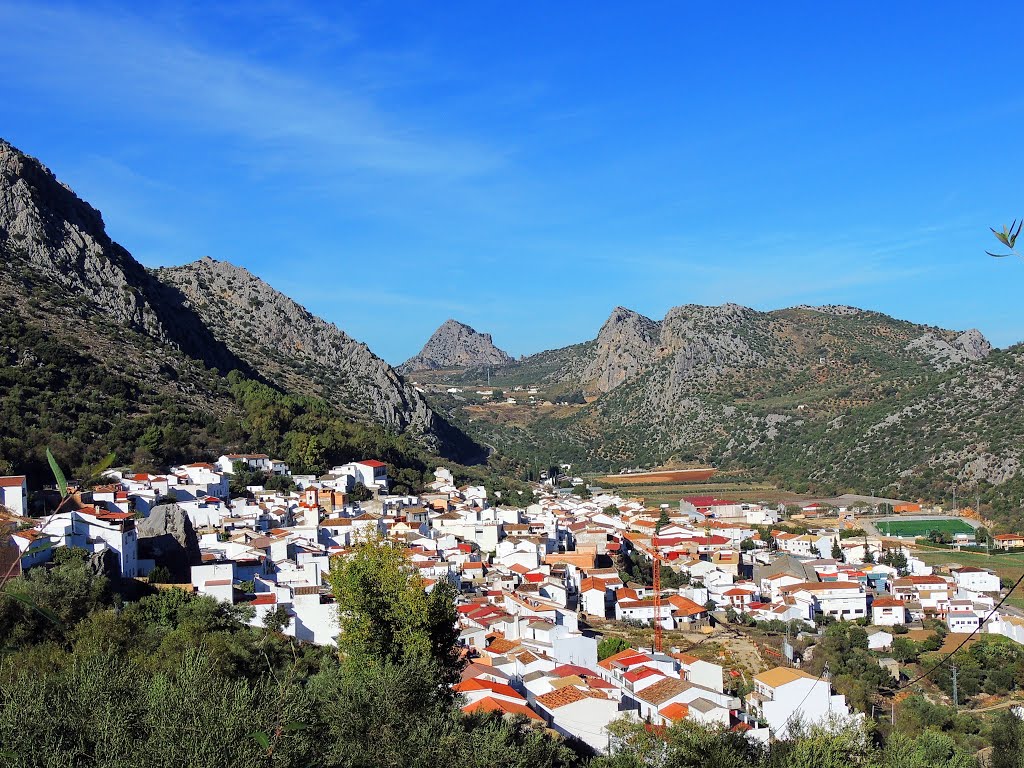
(671, 493)
(922, 527)
(663, 476)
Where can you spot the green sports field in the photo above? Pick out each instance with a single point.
(922, 527)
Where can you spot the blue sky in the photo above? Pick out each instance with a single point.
(527, 167)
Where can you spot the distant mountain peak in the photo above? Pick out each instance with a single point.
(456, 345)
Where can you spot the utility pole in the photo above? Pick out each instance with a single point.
(827, 677)
(956, 698)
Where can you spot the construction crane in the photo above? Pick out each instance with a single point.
(656, 559)
(652, 552)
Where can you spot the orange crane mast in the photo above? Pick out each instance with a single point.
(657, 601)
(655, 556)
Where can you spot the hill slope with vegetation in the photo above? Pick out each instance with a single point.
(816, 398)
(99, 355)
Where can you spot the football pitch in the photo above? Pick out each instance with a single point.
(922, 527)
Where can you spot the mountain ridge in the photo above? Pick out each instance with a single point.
(97, 352)
(809, 396)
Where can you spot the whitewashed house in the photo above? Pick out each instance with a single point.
(974, 579)
(14, 494)
(784, 696)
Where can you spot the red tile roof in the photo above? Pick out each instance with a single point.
(489, 704)
(478, 684)
(675, 711)
(568, 695)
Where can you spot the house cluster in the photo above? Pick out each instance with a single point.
(518, 666)
(726, 566)
(525, 576)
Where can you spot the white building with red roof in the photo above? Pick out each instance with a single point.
(975, 579)
(95, 529)
(14, 494)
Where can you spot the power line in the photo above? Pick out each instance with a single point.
(785, 725)
(964, 642)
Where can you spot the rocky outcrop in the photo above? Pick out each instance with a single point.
(54, 240)
(945, 349)
(167, 536)
(456, 345)
(838, 310)
(626, 343)
(105, 563)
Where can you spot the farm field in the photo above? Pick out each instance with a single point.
(922, 527)
(663, 476)
(671, 493)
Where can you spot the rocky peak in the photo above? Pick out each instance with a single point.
(456, 345)
(626, 343)
(51, 235)
(719, 335)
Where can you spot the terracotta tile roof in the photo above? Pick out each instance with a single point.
(565, 696)
(477, 684)
(614, 659)
(479, 668)
(675, 711)
(645, 603)
(886, 602)
(31, 534)
(663, 690)
(684, 606)
(501, 645)
(640, 673)
(564, 670)
(12, 481)
(488, 704)
(525, 657)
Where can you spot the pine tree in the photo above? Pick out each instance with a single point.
(662, 521)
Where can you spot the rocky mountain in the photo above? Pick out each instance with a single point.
(56, 243)
(98, 354)
(807, 394)
(456, 345)
(296, 350)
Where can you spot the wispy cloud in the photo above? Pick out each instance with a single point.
(282, 118)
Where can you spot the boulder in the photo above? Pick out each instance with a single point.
(167, 537)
